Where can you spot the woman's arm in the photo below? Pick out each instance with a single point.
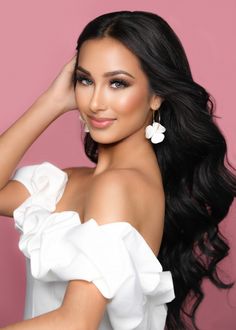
(49, 321)
(112, 198)
(82, 309)
(15, 141)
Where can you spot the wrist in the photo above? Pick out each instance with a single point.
(50, 104)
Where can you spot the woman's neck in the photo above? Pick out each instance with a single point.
(127, 153)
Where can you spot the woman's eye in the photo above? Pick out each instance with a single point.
(83, 80)
(119, 83)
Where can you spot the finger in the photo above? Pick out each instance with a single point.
(73, 59)
(71, 64)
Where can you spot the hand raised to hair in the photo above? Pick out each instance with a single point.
(61, 90)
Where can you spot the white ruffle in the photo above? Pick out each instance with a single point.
(114, 256)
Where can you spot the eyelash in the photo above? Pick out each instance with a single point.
(80, 78)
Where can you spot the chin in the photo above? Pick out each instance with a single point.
(105, 139)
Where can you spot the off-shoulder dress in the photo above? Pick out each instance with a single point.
(59, 248)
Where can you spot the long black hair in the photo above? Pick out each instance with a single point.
(198, 179)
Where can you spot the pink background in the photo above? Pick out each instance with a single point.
(38, 37)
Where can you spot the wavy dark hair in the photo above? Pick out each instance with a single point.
(199, 182)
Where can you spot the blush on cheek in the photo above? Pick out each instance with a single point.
(133, 103)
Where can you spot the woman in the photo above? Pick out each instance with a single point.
(159, 186)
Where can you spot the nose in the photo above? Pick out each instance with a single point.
(97, 101)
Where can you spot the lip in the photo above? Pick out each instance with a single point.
(101, 122)
(100, 119)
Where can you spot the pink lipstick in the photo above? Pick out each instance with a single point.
(101, 122)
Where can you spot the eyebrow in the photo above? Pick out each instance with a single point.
(107, 74)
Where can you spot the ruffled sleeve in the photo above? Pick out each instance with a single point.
(114, 256)
(46, 183)
(44, 180)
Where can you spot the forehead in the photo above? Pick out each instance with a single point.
(108, 54)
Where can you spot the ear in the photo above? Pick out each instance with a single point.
(156, 102)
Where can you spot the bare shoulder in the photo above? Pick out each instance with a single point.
(127, 195)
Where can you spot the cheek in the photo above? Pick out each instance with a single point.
(133, 102)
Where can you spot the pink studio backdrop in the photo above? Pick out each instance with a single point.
(37, 38)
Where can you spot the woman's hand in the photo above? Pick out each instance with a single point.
(61, 91)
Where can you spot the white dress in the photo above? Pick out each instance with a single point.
(114, 256)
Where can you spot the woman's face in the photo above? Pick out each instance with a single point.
(102, 92)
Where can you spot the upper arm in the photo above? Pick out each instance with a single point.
(14, 193)
(11, 196)
(83, 304)
(107, 202)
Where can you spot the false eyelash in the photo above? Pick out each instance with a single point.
(80, 78)
(120, 81)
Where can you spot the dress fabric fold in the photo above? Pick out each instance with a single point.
(114, 257)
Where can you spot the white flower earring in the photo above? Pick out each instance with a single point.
(155, 131)
(86, 129)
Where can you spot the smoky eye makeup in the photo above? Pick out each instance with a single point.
(80, 78)
(119, 83)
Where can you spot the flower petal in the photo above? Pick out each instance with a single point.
(157, 137)
(149, 131)
(159, 128)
